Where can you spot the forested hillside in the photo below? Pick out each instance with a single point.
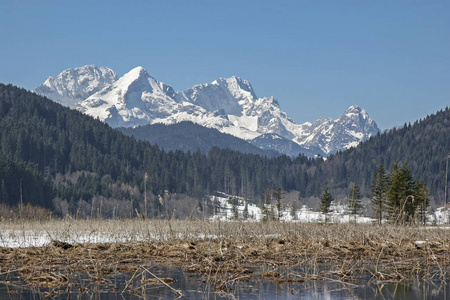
(188, 136)
(90, 164)
(424, 146)
(58, 158)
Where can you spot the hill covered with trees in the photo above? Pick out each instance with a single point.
(89, 165)
(188, 136)
(60, 159)
(424, 146)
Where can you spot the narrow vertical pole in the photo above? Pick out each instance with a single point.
(446, 182)
(145, 194)
(21, 200)
(446, 188)
(131, 212)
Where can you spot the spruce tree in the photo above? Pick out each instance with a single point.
(278, 195)
(423, 201)
(354, 200)
(325, 203)
(294, 207)
(267, 214)
(401, 194)
(245, 213)
(378, 189)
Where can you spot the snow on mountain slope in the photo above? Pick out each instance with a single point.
(75, 85)
(229, 105)
(135, 99)
(347, 131)
(228, 94)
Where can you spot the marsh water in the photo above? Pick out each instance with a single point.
(187, 285)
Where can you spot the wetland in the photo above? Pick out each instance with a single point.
(196, 259)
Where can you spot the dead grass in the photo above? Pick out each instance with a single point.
(226, 252)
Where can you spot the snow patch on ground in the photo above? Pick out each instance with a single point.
(226, 207)
(223, 207)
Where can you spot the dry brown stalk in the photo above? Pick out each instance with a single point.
(163, 282)
(222, 251)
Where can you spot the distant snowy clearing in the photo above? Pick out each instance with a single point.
(224, 209)
(221, 208)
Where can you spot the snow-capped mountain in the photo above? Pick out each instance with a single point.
(227, 104)
(330, 135)
(134, 99)
(75, 85)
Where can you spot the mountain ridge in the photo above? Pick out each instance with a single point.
(229, 105)
(74, 85)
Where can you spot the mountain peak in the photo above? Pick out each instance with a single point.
(230, 95)
(136, 73)
(237, 85)
(227, 104)
(355, 109)
(74, 85)
(355, 112)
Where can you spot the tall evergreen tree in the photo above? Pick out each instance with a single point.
(354, 200)
(278, 196)
(245, 213)
(378, 189)
(423, 201)
(234, 206)
(325, 203)
(267, 213)
(400, 196)
(295, 204)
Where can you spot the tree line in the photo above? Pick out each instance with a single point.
(396, 197)
(55, 156)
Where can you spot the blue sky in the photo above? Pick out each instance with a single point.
(317, 58)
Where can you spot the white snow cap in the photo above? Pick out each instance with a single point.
(229, 105)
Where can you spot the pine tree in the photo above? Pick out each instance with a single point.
(423, 201)
(216, 205)
(267, 214)
(325, 203)
(294, 206)
(401, 194)
(354, 201)
(234, 207)
(278, 195)
(378, 189)
(245, 214)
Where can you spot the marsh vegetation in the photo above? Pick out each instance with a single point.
(221, 254)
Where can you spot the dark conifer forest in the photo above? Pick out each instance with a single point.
(58, 158)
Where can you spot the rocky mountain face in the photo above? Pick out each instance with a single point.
(329, 135)
(75, 85)
(229, 105)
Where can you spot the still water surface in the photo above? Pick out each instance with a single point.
(194, 286)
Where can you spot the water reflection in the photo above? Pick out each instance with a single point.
(185, 285)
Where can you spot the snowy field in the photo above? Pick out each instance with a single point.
(221, 208)
(35, 238)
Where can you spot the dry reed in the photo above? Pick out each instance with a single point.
(226, 252)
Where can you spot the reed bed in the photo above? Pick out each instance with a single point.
(225, 252)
